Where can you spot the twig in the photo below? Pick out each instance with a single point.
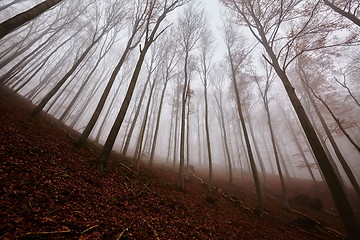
(45, 233)
(90, 228)
(123, 232)
(152, 229)
(123, 165)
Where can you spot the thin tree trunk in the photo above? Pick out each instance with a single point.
(259, 194)
(140, 140)
(176, 131)
(153, 147)
(257, 151)
(224, 137)
(208, 143)
(182, 123)
(134, 121)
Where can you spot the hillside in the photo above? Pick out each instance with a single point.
(50, 190)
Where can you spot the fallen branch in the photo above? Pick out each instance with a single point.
(327, 229)
(90, 228)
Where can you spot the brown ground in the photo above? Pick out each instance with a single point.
(50, 190)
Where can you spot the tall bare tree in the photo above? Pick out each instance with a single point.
(206, 55)
(304, 75)
(236, 56)
(190, 29)
(168, 67)
(264, 20)
(219, 99)
(264, 92)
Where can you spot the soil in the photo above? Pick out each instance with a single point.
(51, 190)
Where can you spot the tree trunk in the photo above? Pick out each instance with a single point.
(19, 20)
(272, 136)
(182, 124)
(104, 155)
(259, 194)
(153, 147)
(140, 140)
(83, 85)
(133, 124)
(208, 143)
(224, 136)
(176, 131)
(348, 15)
(257, 151)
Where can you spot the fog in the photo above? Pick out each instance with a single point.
(224, 102)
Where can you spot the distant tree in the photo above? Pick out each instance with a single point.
(19, 20)
(264, 93)
(168, 71)
(190, 30)
(206, 55)
(236, 56)
(219, 100)
(155, 15)
(153, 74)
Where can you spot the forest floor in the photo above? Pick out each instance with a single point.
(51, 190)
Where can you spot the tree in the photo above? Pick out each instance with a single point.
(264, 92)
(219, 99)
(190, 29)
(19, 20)
(170, 60)
(236, 55)
(154, 17)
(153, 73)
(264, 19)
(206, 54)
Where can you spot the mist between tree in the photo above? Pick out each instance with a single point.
(147, 79)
